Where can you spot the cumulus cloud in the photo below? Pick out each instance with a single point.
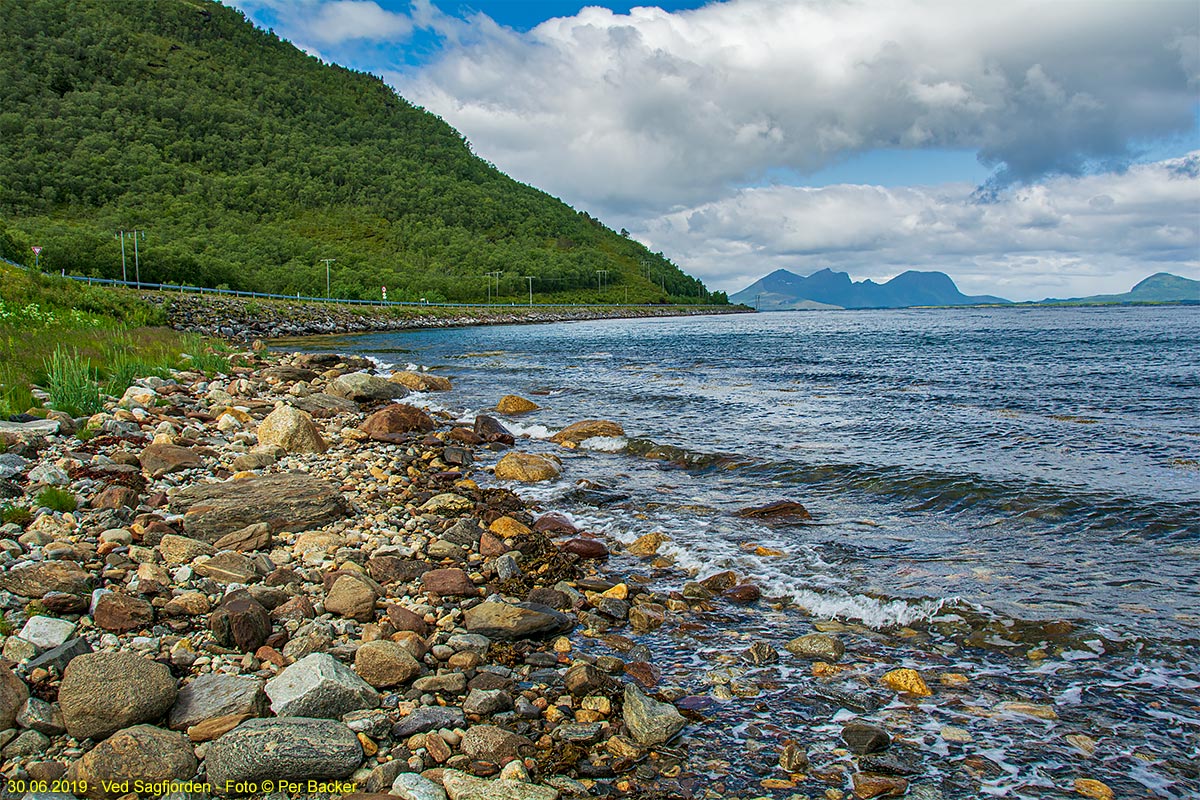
(1066, 236)
(652, 109)
(310, 23)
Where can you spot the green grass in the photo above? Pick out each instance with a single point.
(57, 499)
(73, 384)
(18, 515)
(211, 358)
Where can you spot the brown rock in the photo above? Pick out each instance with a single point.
(508, 528)
(556, 524)
(251, 537)
(293, 430)
(404, 620)
(586, 429)
(491, 743)
(491, 545)
(227, 567)
(36, 580)
(585, 548)
(213, 728)
(512, 404)
(647, 546)
(867, 786)
(526, 468)
(451, 582)
(720, 581)
(101, 693)
(298, 608)
(464, 435)
(13, 694)
(743, 594)
(390, 569)
(116, 497)
(383, 663)
(161, 459)
(490, 430)
(62, 603)
(352, 597)
(781, 509)
(647, 616)
(421, 381)
(390, 422)
(287, 502)
(240, 621)
(143, 753)
(188, 604)
(119, 612)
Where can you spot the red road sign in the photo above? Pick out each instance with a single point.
(37, 250)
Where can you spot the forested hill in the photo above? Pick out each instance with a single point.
(246, 161)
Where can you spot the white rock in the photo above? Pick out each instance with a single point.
(47, 633)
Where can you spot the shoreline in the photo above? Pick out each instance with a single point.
(246, 319)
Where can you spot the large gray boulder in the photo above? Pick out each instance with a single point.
(363, 388)
(650, 721)
(290, 501)
(101, 693)
(216, 695)
(294, 748)
(291, 429)
(524, 621)
(319, 686)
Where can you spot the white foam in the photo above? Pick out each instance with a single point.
(606, 444)
(530, 431)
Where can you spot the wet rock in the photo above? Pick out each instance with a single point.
(363, 388)
(296, 748)
(215, 695)
(906, 680)
(867, 786)
(743, 594)
(384, 663)
(1090, 787)
(119, 612)
(862, 738)
(584, 679)
(492, 743)
(585, 548)
(462, 786)
(35, 580)
(761, 653)
(649, 721)
(484, 703)
(720, 581)
(894, 761)
(13, 694)
(427, 719)
(46, 633)
(817, 646)
(527, 468)
(1027, 710)
(352, 597)
(554, 524)
(411, 786)
(293, 430)
(647, 546)
(451, 582)
(250, 538)
(647, 616)
(513, 404)
(780, 509)
(391, 422)
(288, 502)
(490, 430)
(587, 429)
(509, 622)
(421, 381)
(101, 693)
(240, 621)
(319, 686)
(793, 759)
(447, 503)
(141, 753)
(162, 459)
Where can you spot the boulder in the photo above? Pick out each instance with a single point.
(36, 580)
(177, 549)
(142, 753)
(290, 501)
(413, 786)
(464, 786)
(510, 622)
(572, 435)
(161, 459)
(512, 404)
(363, 388)
(421, 381)
(214, 695)
(383, 663)
(293, 430)
(227, 567)
(13, 694)
(296, 748)
(650, 721)
(46, 633)
(250, 538)
(353, 597)
(862, 738)
(389, 423)
(451, 582)
(319, 686)
(492, 743)
(585, 548)
(527, 468)
(323, 405)
(428, 718)
(240, 621)
(119, 612)
(779, 510)
(817, 646)
(490, 430)
(101, 693)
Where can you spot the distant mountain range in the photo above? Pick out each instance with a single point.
(786, 291)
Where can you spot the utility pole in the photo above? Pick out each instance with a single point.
(327, 261)
(490, 275)
(137, 269)
(121, 235)
(530, 279)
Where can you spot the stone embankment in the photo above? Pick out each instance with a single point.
(248, 318)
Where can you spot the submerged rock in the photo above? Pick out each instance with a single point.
(650, 721)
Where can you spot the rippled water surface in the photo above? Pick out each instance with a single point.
(973, 475)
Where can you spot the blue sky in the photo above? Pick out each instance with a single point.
(1028, 149)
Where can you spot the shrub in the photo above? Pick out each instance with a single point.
(72, 384)
(57, 499)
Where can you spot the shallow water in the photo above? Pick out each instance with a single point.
(972, 474)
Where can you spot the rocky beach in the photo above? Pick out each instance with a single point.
(289, 580)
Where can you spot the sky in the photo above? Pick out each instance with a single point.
(1027, 149)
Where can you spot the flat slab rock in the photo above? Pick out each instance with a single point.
(297, 748)
(462, 786)
(287, 502)
(523, 621)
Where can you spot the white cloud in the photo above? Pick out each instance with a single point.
(653, 109)
(1067, 236)
(309, 23)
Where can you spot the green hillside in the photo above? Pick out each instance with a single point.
(246, 161)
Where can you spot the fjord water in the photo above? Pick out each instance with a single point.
(998, 469)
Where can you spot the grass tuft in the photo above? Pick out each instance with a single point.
(72, 384)
(57, 499)
(17, 515)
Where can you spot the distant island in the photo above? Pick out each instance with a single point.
(783, 290)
